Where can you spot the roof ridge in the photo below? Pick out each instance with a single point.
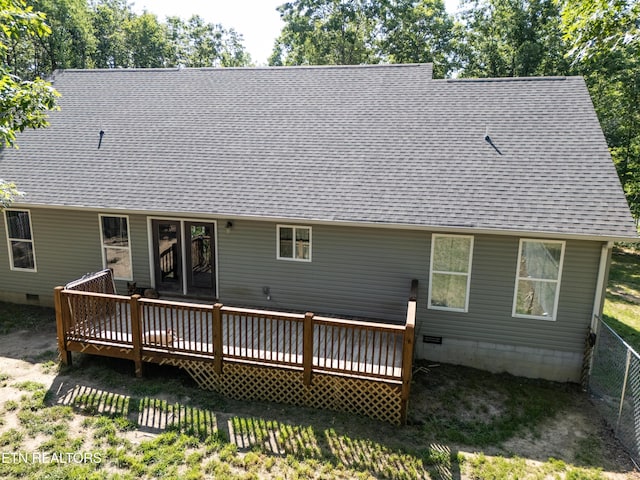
(510, 79)
(220, 69)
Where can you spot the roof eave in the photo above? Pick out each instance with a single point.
(346, 223)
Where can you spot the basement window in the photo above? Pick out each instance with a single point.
(20, 240)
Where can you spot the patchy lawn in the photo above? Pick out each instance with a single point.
(96, 420)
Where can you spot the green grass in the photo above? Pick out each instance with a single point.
(14, 317)
(622, 305)
(498, 468)
(474, 407)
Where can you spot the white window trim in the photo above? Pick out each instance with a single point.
(294, 227)
(10, 239)
(103, 246)
(553, 316)
(468, 274)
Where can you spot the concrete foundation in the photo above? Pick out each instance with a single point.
(517, 360)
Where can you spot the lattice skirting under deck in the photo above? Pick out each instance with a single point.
(378, 400)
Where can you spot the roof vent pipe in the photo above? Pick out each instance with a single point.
(488, 139)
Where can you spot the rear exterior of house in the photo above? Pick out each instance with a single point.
(329, 190)
(354, 271)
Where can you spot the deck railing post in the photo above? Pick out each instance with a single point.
(136, 333)
(407, 350)
(62, 313)
(307, 347)
(217, 338)
(413, 295)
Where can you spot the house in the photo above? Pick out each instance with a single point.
(329, 189)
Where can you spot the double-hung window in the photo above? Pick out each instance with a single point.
(294, 243)
(450, 272)
(116, 251)
(538, 279)
(20, 240)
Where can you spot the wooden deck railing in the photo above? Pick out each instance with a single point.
(141, 328)
(368, 349)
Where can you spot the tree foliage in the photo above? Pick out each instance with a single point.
(8, 192)
(509, 38)
(598, 27)
(415, 32)
(345, 32)
(604, 36)
(109, 19)
(71, 42)
(322, 32)
(23, 103)
(108, 34)
(196, 43)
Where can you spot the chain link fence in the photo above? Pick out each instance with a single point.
(615, 387)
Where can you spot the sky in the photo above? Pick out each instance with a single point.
(257, 20)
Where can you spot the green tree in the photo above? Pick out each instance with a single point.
(508, 38)
(345, 32)
(325, 32)
(71, 41)
(108, 34)
(67, 44)
(196, 43)
(604, 36)
(148, 42)
(233, 53)
(598, 27)
(8, 192)
(23, 103)
(109, 19)
(415, 32)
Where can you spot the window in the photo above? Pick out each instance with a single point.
(538, 279)
(116, 252)
(450, 274)
(294, 243)
(20, 240)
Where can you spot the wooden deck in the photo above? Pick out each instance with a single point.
(92, 319)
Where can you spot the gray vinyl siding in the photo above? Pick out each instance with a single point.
(139, 253)
(67, 245)
(360, 272)
(366, 272)
(490, 319)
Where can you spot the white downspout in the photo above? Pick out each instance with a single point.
(600, 286)
(598, 298)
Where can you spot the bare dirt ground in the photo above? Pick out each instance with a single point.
(577, 435)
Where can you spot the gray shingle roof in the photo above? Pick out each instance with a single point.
(371, 144)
